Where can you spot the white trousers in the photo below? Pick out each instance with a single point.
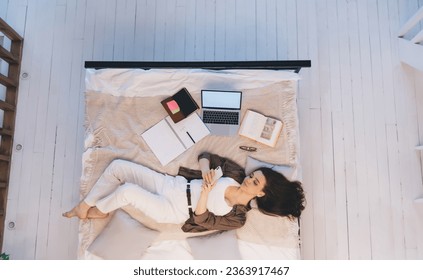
(159, 196)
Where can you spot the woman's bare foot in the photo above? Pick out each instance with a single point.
(80, 211)
(94, 213)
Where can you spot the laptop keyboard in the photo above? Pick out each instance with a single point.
(221, 117)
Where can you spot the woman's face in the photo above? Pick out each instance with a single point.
(254, 183)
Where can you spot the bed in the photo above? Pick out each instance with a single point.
(123, 100)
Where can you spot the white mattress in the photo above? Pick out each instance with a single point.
(110, 134)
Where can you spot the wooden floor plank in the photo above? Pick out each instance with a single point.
(331, 221)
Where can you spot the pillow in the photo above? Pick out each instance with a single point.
(289, 172)
(221, 245)
(269, 230)
(122, 239)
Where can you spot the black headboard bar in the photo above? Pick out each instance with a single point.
(294, 65)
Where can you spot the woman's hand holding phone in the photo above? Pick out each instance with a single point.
(210, 178)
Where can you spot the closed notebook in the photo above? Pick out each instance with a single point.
(180, 105)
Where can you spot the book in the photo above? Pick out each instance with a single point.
(180, 105)
(167, 140)
(261, 128)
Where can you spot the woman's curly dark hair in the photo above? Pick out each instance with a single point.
(282, 197)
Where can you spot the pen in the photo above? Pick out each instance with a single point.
(190, 137)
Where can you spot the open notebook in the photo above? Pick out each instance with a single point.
(168, 140)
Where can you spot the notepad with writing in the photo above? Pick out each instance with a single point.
(168, 140)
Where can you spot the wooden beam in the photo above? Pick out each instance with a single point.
(411, 53)
(5, 132)
(6, 81)
(418, 38)
(411, 22)
(8, 56)
(9, 31)
(6, 106)
(4, 158)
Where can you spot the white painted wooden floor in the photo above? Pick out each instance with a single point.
(361, 110)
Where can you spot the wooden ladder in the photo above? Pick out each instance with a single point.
(12, 56)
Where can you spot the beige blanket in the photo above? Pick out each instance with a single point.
(114, 125)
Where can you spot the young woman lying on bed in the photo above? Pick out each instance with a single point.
(219, 206)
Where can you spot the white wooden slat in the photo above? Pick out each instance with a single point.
(337, 132)
(418, 78)
(66, 114)
(271, 30)
(313, 51)
(44, 49)
(356, 234)
(177, 50)
(394, 148)
(89, 29)
(3, 9)
(266, 33)
(231, 36)
(240, 29)
(220, 34)
(119, 38)
(292, 29)
(410, 165)
(319, 214)
(398, 251)
(189, 30)
(411, 22)
(148, 25)
(209, 31)
(418, 38)
(55, 92)
(160, 30)
(282, 26)
(411, 53)
(307, 222)
(378, 198)
(171, 27)
(79, 21)
(248, 15)
(128, 29)
(373, 178)
(37, 190)
(199, 27)
(100, 48)
(381, 102)
(300, 48)
(105, 33)
(326, 127)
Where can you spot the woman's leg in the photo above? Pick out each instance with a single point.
(117, 173)
(158, 207)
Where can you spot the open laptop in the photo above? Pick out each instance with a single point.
(221, 111)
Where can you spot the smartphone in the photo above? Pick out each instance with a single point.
(217, 174)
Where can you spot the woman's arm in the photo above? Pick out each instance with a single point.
(205, 190)
(209, 221)
(204, 166)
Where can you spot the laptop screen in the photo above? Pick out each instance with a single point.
(221, 99)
